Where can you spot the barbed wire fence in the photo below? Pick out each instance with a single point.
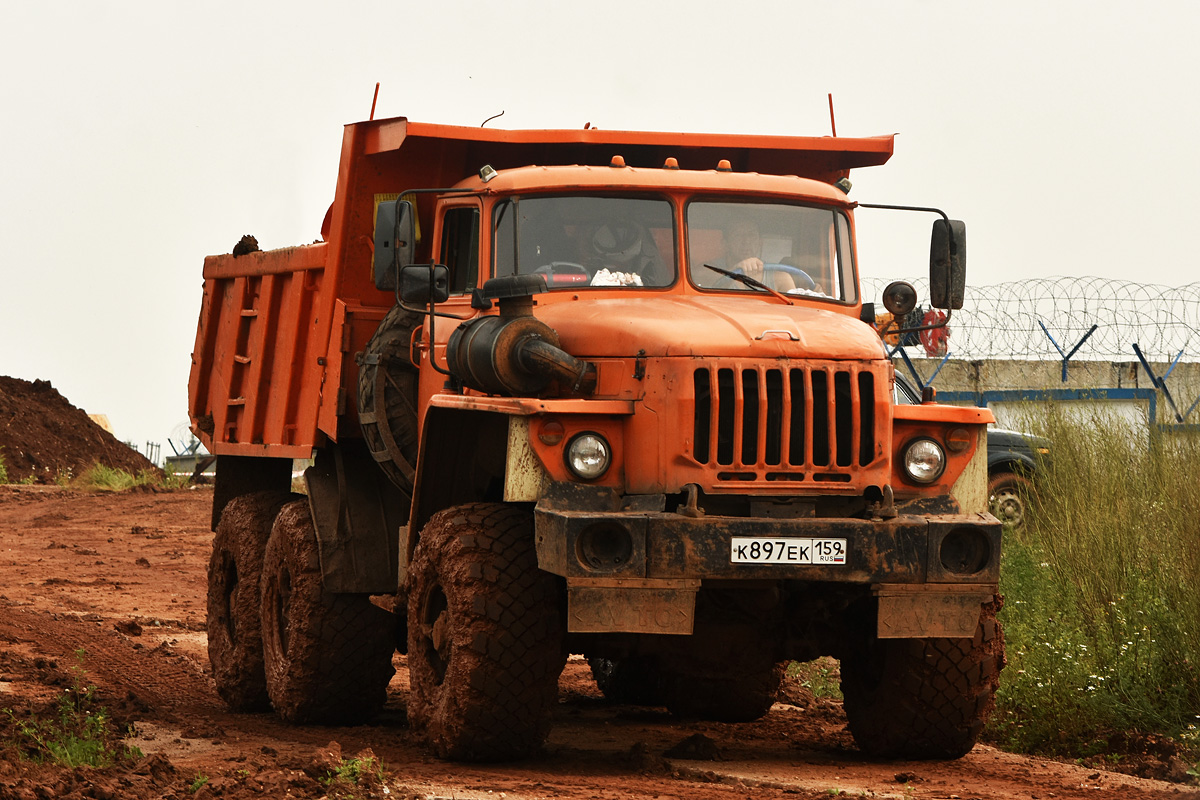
(1005, 320)
(1027, 331)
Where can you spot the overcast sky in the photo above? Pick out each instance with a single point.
(139, 137)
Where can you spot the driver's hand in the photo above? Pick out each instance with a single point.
(751, 267)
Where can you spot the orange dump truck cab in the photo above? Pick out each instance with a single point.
(602, 392)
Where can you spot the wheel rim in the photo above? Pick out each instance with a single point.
(434, 633)
(1008, 507)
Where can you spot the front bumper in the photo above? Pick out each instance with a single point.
(943, 549)
(639, 571)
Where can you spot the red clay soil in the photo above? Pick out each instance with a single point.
(114, 584)
(44, 437)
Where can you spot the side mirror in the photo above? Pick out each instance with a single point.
(395, 241)
(948, 264)
(422, 283)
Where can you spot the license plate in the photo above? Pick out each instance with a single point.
(763, 550)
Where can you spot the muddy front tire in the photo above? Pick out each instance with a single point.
(327, 657)
(234, 631)
(485, 635)
(923, 698)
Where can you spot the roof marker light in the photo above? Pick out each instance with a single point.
(724, 166)
(617, 161)
(671, 163)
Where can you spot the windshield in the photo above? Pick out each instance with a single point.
(798, 250)
(586, 241)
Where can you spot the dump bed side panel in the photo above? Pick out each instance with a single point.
(256, 368)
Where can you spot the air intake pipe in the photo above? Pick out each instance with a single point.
(515, 353)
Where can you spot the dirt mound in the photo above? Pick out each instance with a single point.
(44, 437)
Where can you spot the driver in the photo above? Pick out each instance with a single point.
(743, 253)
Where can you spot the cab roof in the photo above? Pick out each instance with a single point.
(554, 179)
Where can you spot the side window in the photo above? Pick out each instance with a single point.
(843, 271)
(460, 247)
(906, 393)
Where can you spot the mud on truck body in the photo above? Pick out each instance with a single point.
(551, 412)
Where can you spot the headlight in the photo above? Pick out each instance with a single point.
(924, 460)
(588, 456)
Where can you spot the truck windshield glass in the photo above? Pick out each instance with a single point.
(798, 250)
(581, 241)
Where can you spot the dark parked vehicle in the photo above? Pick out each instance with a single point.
(1013, 460)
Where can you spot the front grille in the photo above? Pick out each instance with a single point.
(750, 419)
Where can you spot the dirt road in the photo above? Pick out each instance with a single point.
(120, 579)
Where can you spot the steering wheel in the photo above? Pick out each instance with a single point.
(802, 279)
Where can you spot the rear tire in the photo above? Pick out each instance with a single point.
(633, 680)
(327, 657)
(234, 630)
(726, 672)
(485, 635)
(731, 695)
(923, 698)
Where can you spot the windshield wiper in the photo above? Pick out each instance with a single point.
(745, 279)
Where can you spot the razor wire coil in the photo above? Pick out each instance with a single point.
(1002, 320)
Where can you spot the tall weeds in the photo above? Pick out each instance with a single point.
(1103, 589)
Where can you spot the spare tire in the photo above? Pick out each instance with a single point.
(387, 396)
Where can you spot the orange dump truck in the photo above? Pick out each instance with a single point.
(600, 392)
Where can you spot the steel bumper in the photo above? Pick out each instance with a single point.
(943, 549)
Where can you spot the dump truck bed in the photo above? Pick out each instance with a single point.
(272, 368)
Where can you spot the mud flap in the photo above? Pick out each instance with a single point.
(927, 611)
(357, 513)
(625, 605)
(241, 475)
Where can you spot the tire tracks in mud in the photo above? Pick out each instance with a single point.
(169, 688)
(166, 681)
(174, 691)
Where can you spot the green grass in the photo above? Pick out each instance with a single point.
(352, 774)
(101, 478)
(105, 478)
(78, 734)
(1102, 589)
(822, 677)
